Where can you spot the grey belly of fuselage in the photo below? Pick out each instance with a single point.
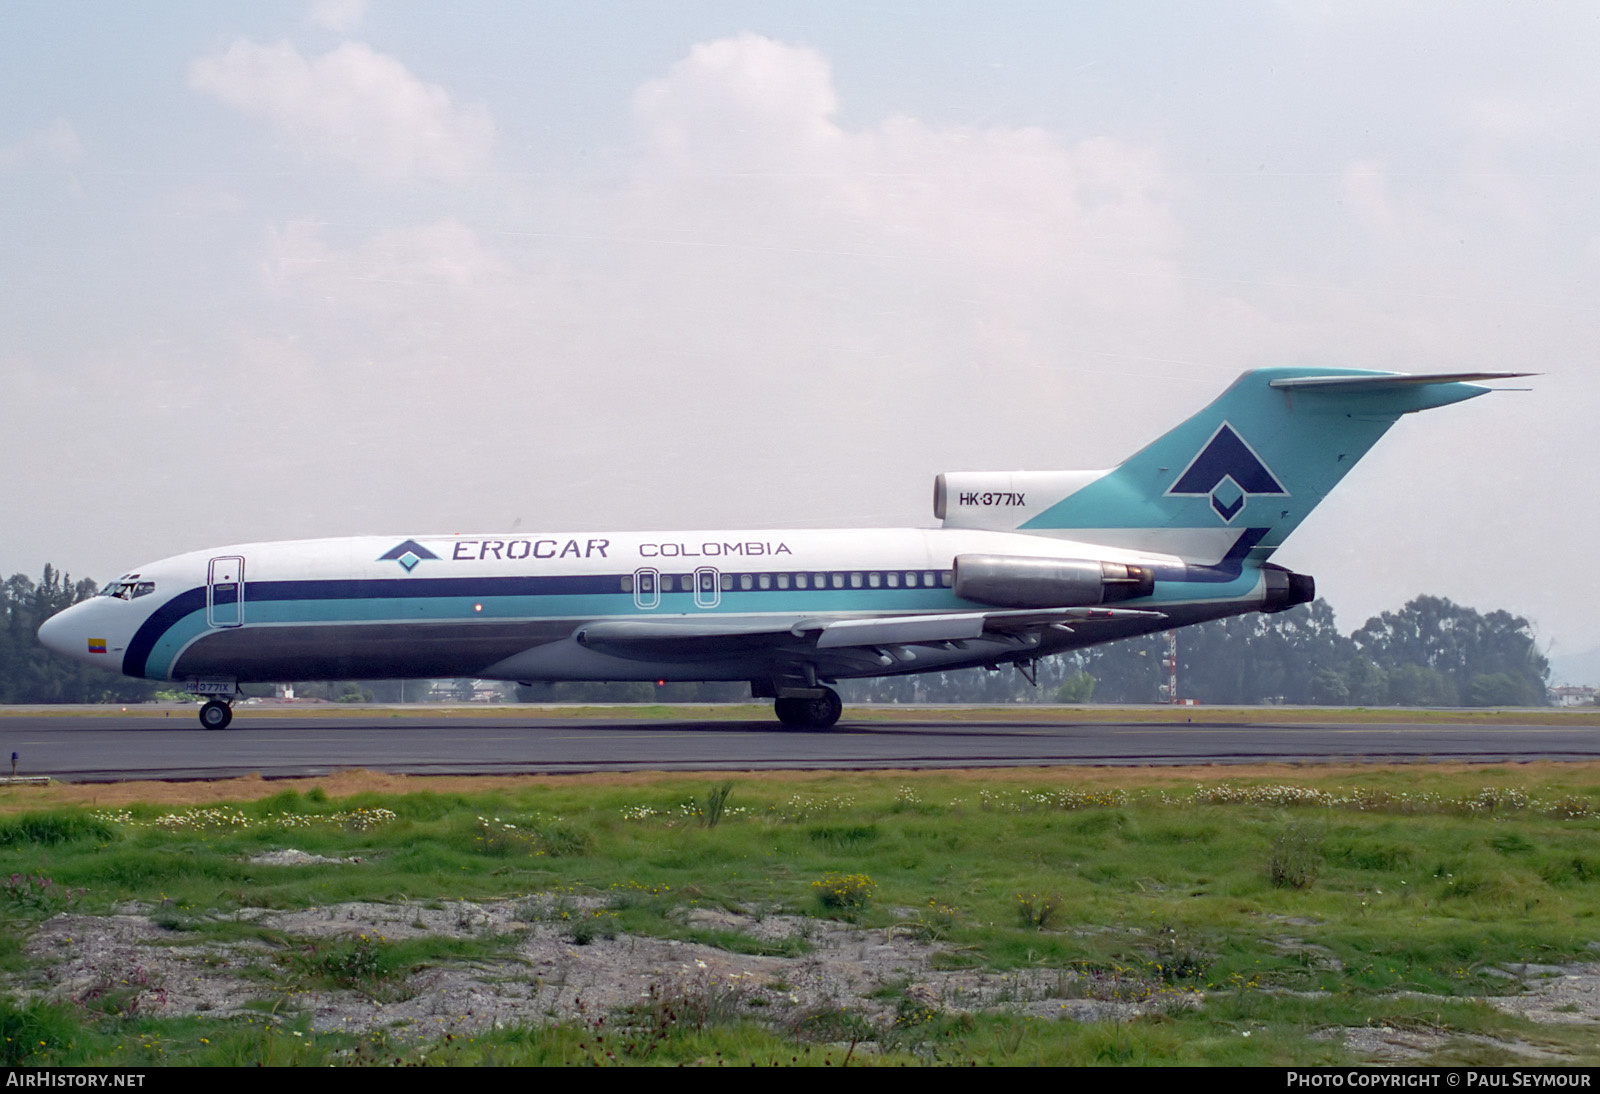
(362, 652)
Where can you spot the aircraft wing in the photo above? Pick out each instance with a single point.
(647, 639)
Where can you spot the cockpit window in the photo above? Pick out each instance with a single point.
(129, 589)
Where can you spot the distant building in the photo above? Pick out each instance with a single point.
(466, 691)
(1573, 695)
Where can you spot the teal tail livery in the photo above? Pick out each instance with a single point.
(1024, 565)
(1238, 476)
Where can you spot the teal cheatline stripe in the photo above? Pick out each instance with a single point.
(164, 651)
(135, 662)
(164, 638)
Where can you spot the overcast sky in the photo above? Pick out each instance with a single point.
(280, 270)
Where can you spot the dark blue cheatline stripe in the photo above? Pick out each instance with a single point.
(396, 588)
(160, 622)
(1228, 568)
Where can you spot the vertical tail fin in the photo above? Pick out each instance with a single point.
(1239, 476)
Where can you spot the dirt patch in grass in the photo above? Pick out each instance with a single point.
(133, 964)
(141, 964)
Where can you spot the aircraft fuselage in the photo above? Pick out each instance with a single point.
(1026, 564)
(507, 606)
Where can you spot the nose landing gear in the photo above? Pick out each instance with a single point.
(219, 693)
(215, 715)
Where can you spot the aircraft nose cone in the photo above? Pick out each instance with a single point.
(60, 634)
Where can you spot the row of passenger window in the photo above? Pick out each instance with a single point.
(833, 579)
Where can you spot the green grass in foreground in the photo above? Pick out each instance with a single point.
(1293, 909)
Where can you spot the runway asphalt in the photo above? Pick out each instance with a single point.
(84, 747)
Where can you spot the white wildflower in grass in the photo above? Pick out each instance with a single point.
(363, 819)
(201, 820)
(1062, 800)
(1489, 800)
(799, 807)
(291, 820)
(221, 818)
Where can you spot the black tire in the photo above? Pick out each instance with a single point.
(825, 711)
(215, 715)
(818, 713)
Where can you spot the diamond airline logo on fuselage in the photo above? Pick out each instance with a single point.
(1228, 471)
(408, 554)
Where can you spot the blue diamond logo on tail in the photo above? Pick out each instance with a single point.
(408, 554)
(1228, 471)
(1227, 499)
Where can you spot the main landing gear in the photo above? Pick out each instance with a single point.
(818, 712)
(216, 715)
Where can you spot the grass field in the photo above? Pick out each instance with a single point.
(1258, 918)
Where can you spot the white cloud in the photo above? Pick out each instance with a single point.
(753, 229)
(1512, 119)
(741, 142)
(351, 104)
(1365, 186)
(427, 258)
(741, 104)
(755, 255)
(54, 143)
(744, 181)
(339, 16)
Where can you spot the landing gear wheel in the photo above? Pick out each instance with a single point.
(215, 715)
(818, 713)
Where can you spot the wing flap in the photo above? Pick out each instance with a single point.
(684, 639)
(953, 627)
(650, 630)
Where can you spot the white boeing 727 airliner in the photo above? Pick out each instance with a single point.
(1025, 564)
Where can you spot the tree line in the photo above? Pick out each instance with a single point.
(1432, 652)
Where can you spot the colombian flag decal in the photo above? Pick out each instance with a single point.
(97, 645)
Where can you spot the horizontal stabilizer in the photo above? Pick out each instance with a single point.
(1350, 385)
